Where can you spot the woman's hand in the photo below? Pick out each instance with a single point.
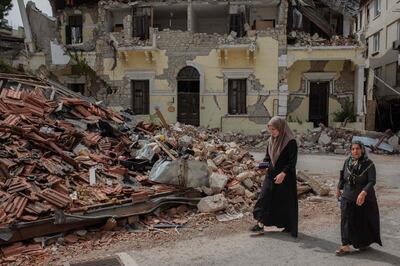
(361, 198)
(279, 178)
(338, 194)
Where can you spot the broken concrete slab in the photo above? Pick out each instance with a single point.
(248, 183)
(212, 204)
(217, 182)
(324, 139)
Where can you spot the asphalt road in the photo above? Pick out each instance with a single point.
(310, 248)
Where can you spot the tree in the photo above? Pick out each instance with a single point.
(5, 6)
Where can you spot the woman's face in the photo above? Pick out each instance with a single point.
(356, 151)
(274, 132)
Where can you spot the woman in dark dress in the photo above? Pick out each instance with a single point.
(277, 203)
(358, 204)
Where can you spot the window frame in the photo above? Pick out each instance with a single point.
(377, 8)
(376, 43)
(69, 28)
(239, 95)
(144, 108)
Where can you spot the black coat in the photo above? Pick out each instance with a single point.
(365, 180)
(360, 225)
(277, 205)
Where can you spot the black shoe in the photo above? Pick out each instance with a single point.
(257, 228)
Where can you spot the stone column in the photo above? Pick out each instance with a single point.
(359, 90)
(128, 28)
(27, 26)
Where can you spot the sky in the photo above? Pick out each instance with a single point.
(14, 17)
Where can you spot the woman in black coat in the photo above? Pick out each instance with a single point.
(358, 204)
(277, 203)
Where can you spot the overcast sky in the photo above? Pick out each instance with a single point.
(14, 17)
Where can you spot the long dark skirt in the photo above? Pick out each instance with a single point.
(360, 224)
(277, 205)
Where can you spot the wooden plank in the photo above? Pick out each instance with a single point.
(165, 149)
(162, 119)
(316, 186)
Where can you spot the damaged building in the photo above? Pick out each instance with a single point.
(217, 64)
(378, 22)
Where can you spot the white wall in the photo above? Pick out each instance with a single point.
(263, 13)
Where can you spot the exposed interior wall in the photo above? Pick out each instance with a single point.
(171, 17)
(210, 19)
(116, 17)
(263, 13)
(44, 29)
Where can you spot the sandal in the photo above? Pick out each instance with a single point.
(342, 251)
(256, 228)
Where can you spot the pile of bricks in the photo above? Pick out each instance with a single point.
(301, 38)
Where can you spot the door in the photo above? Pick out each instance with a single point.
(189, 96)
(319, 105)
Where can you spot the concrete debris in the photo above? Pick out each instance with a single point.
(316, 186)
(300, 38)
(212, 204)
(226, 217)
(218, 182)
(338, 140)
(324, 139)
(248, 183)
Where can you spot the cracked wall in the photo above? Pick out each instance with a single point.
(342, 83)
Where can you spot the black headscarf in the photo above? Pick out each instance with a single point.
(355, 166)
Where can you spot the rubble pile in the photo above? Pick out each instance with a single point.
(338, 141)
(232, 171)
(254, 142)
(63, 153)
(48, 151)
(300, 38)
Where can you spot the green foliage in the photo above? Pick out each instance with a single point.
(80, 65)
(347, 112)
(5, 6)
(6, 68)
(295, 120)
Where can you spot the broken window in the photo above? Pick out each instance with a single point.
(74, 30)
(142, 23)
(77, 87)
(237, 93)
(140, 97)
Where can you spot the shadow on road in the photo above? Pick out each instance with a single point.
(326, 246)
